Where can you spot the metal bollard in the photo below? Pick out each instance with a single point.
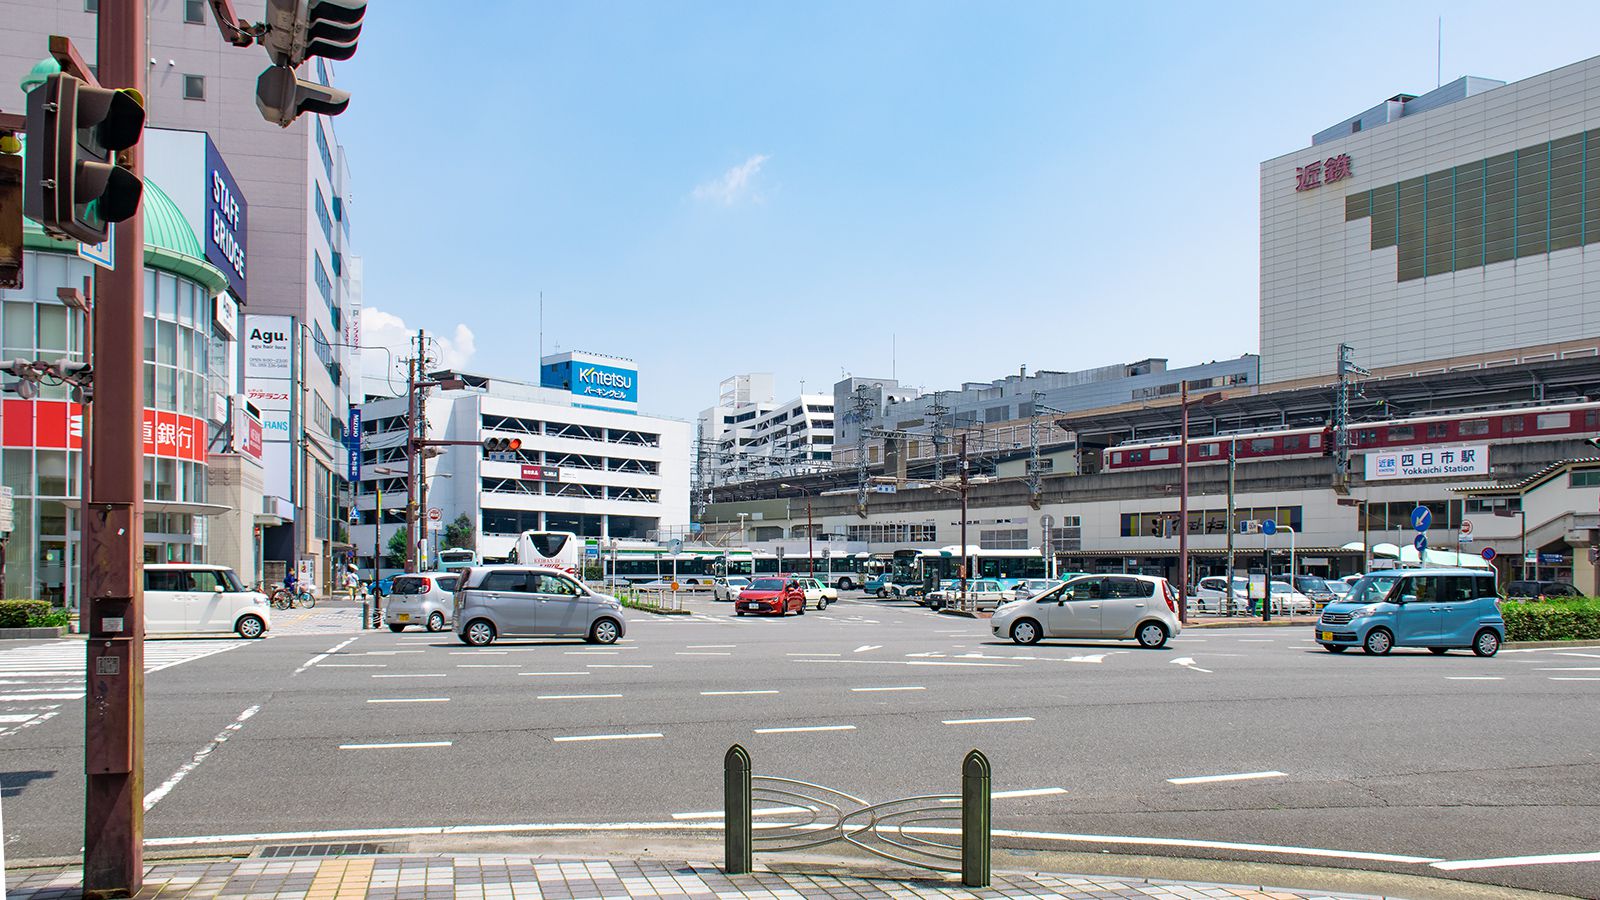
(363, 615)
(975, 823)
(737, 842)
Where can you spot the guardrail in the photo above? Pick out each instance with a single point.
(904, 830)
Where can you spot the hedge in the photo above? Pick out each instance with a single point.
(23, 613)
(1552, 620)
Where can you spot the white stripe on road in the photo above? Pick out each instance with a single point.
(154, 797)
(1456, 865)
(615, 666)
(865, 647)
(875, 690)
(550, 674)
(1569, 669)
(813, 654)
(30, 697)
(794, 728)
(488, 665)
(12, 719)
(732, 693)
(1584, 655)
(701, 653)
(578, 696)
(412, 700)
(988, 721)
(1474, 678)
(322, 656)
(1006, 795)
(608, 737)
(1575, 678)
(710, 646)
(407, 745)
(414, 675)
(1237, 776)
(352, 665)
(465, 652)
(590, 652)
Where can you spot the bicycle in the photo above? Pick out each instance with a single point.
(283, 599)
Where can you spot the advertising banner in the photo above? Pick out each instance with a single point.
(58, 425)
(226, 221)
(353, 446)
(269, 347)
(1462, 461)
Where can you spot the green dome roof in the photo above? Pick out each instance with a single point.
(169, 243)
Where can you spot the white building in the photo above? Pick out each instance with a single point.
(748, 435)
(595, 472)
(1444, 231)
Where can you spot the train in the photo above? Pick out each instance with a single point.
(1530, 423)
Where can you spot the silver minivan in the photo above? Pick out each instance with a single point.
(532, 601)
(423, 599)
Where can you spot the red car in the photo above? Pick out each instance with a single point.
(771, 597)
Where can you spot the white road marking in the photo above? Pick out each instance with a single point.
(31, 697)
(406, 745)
(398, 652)
(412, 700)
(1006, 795)
(578, 696)
(1456, 865)
(638, 736)
(590, 652)
(1575, 678)
(352, 665)
(322, 656)
(765, 811)
(414, 675)
(551, 674)
(1256, 640)
(794, 728)
(929, 662)
(1473, 678)
(1584, 655)
(732, 693)
(987, 721)
(13, 719)
(154, 797)
(488, 665)
(875, 690)
(616, 666)
(464, 652)
(813, 654)
(701, 653)
(865, 647)
(1570, 669)
(710, 646)
(1237, 776)
(1188, 663)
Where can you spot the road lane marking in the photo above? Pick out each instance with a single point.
(488, 665)
(765, 811)
(701, 653)
(793, 728)
(165, 788)
(551, 674)
(404, 745)
(1474, 678)
(464, 652)
(732, 693)
(352, 665)
(395, 652)
(322, 656)
(1237, 776)
(876, 690)
(615, 666)
(865, 647)
(1569, 669)
(638, 736)
(1007, 795)
(710, 646)
(590, 652)
(1575, 678)
(412, 700)
(987, 721)
(813, 654)
(579, 696)
(413, 675)
(1456, 865)
(1188, 663)
(1584, 655)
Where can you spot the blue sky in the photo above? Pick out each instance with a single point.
(716, 188)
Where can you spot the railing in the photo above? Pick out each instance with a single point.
(905, 830)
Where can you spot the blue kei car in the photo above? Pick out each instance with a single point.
(1441, 609)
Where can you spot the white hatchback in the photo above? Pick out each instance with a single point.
(424, 599)
(1142, 608)
(191, 598)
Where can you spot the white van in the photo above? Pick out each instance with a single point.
(190, 598)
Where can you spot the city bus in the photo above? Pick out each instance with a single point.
(691, 565)
(845, 571)
(1006, 566)
(453, 559)
(560, 549)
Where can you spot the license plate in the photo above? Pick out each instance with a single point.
(1327, 635)
(405, 617)
(752, 606)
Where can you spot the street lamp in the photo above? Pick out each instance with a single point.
(744, 536)
(1183, 496)
(811, 563)
(1507, 512)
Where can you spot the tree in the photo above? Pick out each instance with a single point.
(396, 557)
(459, 534)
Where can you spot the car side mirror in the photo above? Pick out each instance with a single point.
(218, 588)
(1408, 598)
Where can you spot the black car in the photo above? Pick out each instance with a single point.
(1542, 589)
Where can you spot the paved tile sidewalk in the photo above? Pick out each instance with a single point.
(437, 877)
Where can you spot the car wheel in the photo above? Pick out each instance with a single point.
(1152, 635)
(250, 627)
(1438, 651)
(802, 610)
(738, 612)
(1379, 642)
(1487, 643)
(882, 593)
(479, 633)
(396, 628)
(1334, 648)
(1026, 631)
(436, 621)
(604, 631)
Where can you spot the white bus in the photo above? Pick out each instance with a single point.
(561, 549)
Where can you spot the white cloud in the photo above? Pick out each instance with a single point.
(734, 184)
(384, 372)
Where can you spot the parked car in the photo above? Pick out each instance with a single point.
(817, 593)
(773, 597)
(426, 599)
(1339, 587)
(1028, 587)
(1542, 590)
(877, 586)
(532, 601)
(190, 598)
(1441, 609)
(1315, 588)
(981, 593)
(725, 589)
(1211, 594)
(1143, 608)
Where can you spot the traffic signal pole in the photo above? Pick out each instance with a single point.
(113, 531)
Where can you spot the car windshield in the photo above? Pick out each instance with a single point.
(1338, 587)
(408, 586)
(447, 582)
(230, 581)
(1308, 583)
(1371, 589)
(767, 584)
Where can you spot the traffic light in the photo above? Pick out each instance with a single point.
(73, 186)
(501, 448)
(295, 31)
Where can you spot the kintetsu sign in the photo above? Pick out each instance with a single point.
(1317, 174)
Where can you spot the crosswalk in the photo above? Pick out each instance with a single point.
(37, 681)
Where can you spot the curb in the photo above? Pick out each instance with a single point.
(659, 610)
(24, 634)
(1246, 622)
(951, 611)
(1542, 645)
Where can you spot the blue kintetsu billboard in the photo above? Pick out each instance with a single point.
(226, 228)
(592, 380)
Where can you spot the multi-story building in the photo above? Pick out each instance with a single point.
(750, 435)
(296, 265)
(597, 472)
(1446, 231)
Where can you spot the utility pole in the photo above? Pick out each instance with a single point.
(411, 457)
(1341, 417)
(1035, 467)
(1232, 527)
(966, 558)
(1183, 505)
(938, 411)
(420, 537)
(113, 531)
(861, 409)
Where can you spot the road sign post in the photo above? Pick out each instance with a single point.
(1421, 520)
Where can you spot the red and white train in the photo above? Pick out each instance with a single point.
(1532, 423)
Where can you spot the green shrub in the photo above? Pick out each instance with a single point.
(21, 613)
(55, 618)
(1552, 620)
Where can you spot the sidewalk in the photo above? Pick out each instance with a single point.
(440, 876)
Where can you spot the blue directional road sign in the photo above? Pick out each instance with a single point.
(1269, 527)
(1421, 518)
(1488, 554)
(1421, 542)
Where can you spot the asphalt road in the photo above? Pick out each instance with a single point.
(1409, 763)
